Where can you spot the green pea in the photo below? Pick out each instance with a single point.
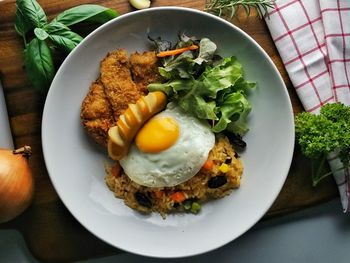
(195, 207)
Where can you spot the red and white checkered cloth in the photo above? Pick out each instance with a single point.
(313, 39)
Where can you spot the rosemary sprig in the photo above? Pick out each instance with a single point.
(230, 7)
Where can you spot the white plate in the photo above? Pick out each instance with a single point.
(76, 164)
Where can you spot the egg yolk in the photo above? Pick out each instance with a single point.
(158, 134)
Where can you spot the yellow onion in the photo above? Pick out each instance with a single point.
(16, 182)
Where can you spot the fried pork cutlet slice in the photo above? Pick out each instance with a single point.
(144, 68)
(116, 79)
(96, 114)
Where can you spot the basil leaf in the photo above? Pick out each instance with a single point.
(38, 64)
(22, 26)
(65, 39)
(92, 13)
(32, 14)
(40, 33)
(62, 36)
(55, 26)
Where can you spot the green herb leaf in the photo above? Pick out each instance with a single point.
(66, 40)
(37, 56)
(91, 13)
(31, 14)
(62, 36)
(325, 133)
(229, 7)
(41, 33)
(21, 24)
(39, 65)
(55, 26)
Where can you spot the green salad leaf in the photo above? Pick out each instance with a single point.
(188, 64)
(181, 66)
(207, 50)
(212, 92)
(235, 109)
(221, 77)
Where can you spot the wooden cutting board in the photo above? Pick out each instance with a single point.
(51, 232)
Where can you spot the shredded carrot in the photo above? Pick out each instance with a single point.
(208, 165)
(159, 194)
(178, 197)
(116, 170)
(176, 51)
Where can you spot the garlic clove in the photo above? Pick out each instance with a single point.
(140, 4)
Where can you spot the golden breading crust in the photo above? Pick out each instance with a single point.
(144, 68)
(115, 89)
(116, 78)
(96, 114)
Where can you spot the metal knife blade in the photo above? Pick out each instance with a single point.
(6, 140)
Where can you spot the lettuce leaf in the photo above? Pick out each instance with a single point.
(207, 50)
(220, 77)
(235, 108)
(189, 63)
(180, 67)
(212, 92)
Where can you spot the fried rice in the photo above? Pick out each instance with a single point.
(205, 185)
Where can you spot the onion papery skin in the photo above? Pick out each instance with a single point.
(16, 184)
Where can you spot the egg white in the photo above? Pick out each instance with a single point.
(176, 164)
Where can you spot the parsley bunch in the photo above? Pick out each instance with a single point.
(320, 135)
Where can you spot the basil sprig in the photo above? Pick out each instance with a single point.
(51, 36)
(38, 63)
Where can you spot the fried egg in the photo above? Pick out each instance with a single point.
(169, 149)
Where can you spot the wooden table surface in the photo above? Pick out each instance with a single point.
(51, 232)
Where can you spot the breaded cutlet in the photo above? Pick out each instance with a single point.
(117, 81)
(144, 68)
(96, 114)
(110, 95)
